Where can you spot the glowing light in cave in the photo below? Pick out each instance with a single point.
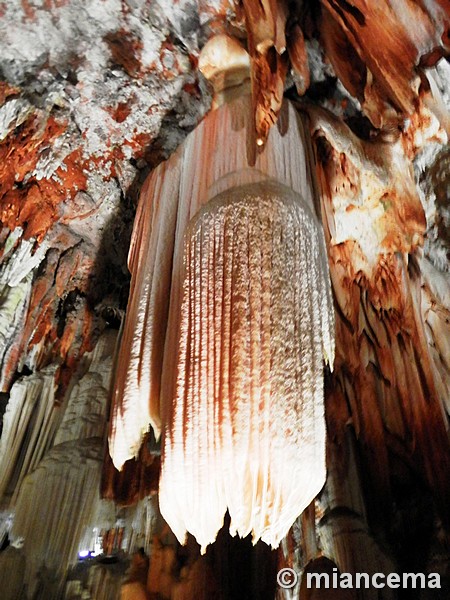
(243, 384)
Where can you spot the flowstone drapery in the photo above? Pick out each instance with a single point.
(229, 318)
(245, 428)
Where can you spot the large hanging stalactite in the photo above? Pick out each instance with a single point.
(170, 197)
(252, 303)
(244, 396)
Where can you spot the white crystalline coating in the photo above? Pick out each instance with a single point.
(245, 426)
(13, 307)
(20, 263)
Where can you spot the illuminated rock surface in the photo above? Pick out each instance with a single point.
(245, 428)
(169, 199)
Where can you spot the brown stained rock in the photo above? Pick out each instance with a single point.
(366, 182)
(74, 269)
(376, 47)
(29, 10)
(266, 23)
(268, 75)
(299, 59)
(77, 337)
(19, 152)
(125, 51)
(60, 323)
(384, 368)
(26, 201)
(120, 112)
(35, 201)
(426, 125)
(137, 479)
(6, 91)
(34, 204)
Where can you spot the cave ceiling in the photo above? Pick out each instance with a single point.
(95, 94)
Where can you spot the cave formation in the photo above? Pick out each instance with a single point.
(136, 139)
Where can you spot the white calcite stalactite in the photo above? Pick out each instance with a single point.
(242, 420)
(18, 259)
(58, 503)
(28, 424)
(245, 427)
(14, 302)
